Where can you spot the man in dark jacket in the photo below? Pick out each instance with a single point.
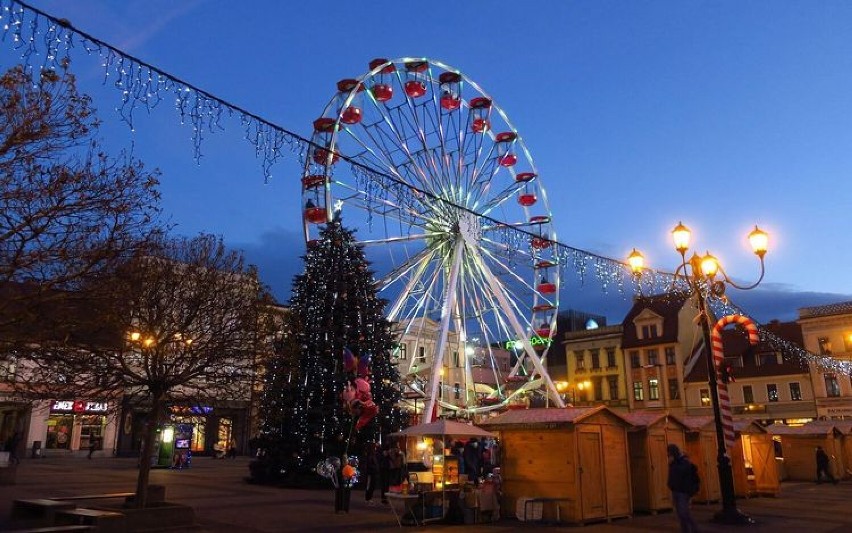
(472, 460)
(823, 466)
(683, 482)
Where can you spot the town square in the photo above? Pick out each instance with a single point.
(295, 266)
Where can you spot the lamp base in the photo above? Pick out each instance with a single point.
(733, 517)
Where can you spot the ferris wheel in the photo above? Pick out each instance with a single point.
(450, 209)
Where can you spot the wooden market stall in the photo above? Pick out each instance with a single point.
(647, 440)
(701, 449)
(844, 427)
(571, 464)
(798, 446)
(753, 461)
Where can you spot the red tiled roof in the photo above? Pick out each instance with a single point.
(696, 422)
(667, 306)
(781, 429)
(843, 426)
(841, 308)
(645, 418)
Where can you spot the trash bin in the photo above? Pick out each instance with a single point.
(36, 451)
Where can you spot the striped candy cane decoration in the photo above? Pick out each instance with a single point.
(719, 360)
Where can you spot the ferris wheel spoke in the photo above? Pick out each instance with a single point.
(420, 261)
(500, 198)
(505, 248)
(419, 309)
(514, 275)
(366, 202)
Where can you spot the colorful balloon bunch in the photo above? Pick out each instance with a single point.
(357, 397)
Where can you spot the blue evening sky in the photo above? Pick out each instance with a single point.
(722, 114)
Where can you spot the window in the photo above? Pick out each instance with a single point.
(653, 359)
(613, 387)
(8, 369)
(635, 359)
(457, 391)
(598, 385)
(596, 358)
(403, 350)
(610, 358)
(421, 354)
(638, 391)
(768, 358)
(455, 359)
(670, 356)
(674, 389)
(748, 394)
(824, 346)
(772, 392)
(581, 360)
(649, 331)
(705, 397)
(653, 389)
(795, 391)
(832, 386)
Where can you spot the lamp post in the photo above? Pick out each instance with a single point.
(706, 278)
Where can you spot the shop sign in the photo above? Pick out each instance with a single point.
(191, 409)
(835, 411)
(79, 406)
(534, 340)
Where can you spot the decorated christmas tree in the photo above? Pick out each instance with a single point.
(346, 388)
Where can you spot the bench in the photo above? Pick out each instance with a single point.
(94, 496)
(103, 520)
(39, 508)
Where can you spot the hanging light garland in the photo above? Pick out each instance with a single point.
(47, 42)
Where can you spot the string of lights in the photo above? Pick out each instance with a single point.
(47, 42)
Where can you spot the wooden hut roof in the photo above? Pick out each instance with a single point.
(641, 419)
(843, 426)
(748, 426)
(542, 416)
(781, 429)
(696, 423)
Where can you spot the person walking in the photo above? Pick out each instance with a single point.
(371, 471)
(384, 471)
(683, 482)
(12, 447)
(823, 464)
(472, 460)
(93, 445)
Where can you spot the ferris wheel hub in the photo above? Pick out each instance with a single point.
(470, 227)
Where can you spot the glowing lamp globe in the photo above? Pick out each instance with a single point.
(709, 265)
(681, 236)
(759, 240)
(636, 261)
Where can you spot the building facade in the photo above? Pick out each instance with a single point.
(594, 372)
(827, 331)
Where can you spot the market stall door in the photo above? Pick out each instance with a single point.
(661, 497)
(765, 469)
(592, 492)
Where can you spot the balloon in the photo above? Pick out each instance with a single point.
(349, 362)
(348, 472)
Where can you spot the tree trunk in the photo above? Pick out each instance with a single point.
(145, 452)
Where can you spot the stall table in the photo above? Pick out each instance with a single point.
(408, 502)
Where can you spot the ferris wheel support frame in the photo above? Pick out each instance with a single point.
(498, 293)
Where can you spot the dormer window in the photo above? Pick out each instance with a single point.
(649, 325)
(649, 331)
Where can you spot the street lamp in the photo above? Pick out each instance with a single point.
(706, 277)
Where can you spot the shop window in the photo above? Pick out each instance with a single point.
(613, 387)
(59, 429)
(772, 392)
(824, 346)
(670, 356)
(610, 358)
(580, 358)
(653, 389)
(832, 386)
(795, 391)
(596, 358)
(91, 427)
(653, 359)
(674, 389)
(226, 432)
(748, 394)
(705, 397)
(638, 391)
(635, 359)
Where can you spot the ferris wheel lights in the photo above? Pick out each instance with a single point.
(527, 199)
(382, 92)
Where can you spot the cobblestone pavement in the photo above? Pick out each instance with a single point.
(224, 502)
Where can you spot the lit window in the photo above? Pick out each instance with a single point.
(653, 389)
(638, 391)
(832, 386)
(403, 350)
(772, 392)
(705, 397)
(795, 391)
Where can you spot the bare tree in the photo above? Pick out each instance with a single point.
(183, 326)
(68, 211)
